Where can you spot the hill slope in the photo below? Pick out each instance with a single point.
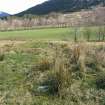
(62, 6)
(3, 14)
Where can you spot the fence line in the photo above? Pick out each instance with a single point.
(87, 32)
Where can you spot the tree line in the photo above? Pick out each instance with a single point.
(93, 17)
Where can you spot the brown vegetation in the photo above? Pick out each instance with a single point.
(83, 18)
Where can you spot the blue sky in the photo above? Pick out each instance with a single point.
(16, 6)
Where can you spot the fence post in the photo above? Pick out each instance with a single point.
(99, 34)
(87, 33)
(88, 37)
(75, 34)
(103, 33)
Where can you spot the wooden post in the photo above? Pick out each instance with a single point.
(103, 33)
(88, 37)
(99, 34)
(75, 34)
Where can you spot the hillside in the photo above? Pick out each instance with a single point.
(94, 17)
(3, 14)
(62, 6)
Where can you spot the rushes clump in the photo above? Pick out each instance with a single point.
(56, 73)
(77, 61)
(61, 73)
(44, 64)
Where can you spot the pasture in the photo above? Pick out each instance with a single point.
(45, 67)
(81, 34)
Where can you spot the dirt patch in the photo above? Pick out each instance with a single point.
(9, 42)
(15, 42)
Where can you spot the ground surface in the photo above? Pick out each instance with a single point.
(51, 34)
(73, 72)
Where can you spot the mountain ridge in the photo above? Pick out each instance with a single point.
(4, 14)
(62, 6)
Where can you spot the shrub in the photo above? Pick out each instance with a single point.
(100, 81)
(1, 56)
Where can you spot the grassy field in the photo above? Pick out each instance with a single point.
(51, 34)
(49, 73)
(51, 70)
(42, 34)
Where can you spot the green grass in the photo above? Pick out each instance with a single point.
(24, 67)
(44, 34)
(49, 34)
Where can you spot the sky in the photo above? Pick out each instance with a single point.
(16, 6)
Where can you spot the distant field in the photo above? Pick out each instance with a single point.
(49, 34)
(42, 34)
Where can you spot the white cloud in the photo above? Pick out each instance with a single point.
(16, 6)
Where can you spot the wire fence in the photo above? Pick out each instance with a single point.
(92, 33)
(89, 34)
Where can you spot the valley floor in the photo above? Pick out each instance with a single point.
(60, 66)
(52, 73)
